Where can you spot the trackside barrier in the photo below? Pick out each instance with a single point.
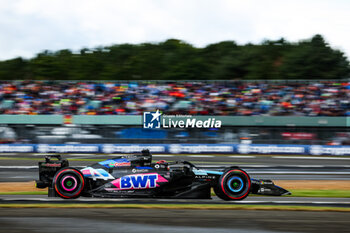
(296, 121)
(177, 148)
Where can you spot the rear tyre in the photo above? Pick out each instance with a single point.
(68, 183)
(234, 184)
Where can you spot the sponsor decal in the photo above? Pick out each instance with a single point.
(329, 150)
(131, 148)
(316, 150)
(115, 163)
(93, 173)
(108, 148)
(141, 169)
(67, 148)
(16, 148)
(205, 177)
(51, 164)
(138, 181)
(268, 149)
(119, 164)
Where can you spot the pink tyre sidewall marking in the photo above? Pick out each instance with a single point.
(67, 189)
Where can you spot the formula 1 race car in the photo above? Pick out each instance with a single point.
(136, 176)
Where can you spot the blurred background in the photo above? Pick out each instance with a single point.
(253, 112)
(77, 75)
(82, 75)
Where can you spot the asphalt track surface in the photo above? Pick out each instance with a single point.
(166, 220)
(250, 200)
(15, 169)
(170, 221)
(266, 167)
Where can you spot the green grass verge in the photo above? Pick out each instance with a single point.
(25, 193)
(319, 193)
(230, 206)
(17, 158)
(312, 193)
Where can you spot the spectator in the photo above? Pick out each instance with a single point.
(325, 98)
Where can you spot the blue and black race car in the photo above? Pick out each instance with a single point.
(136, 176)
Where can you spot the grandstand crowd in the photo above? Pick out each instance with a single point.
(236, 98)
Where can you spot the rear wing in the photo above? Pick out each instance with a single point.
(48, 169)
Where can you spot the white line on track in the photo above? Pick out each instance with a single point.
(163, 155)
(102, 155)
(201, 156)
(180, 201)
(296, 202)
(28, 167)
(18, 167)
(80, 157)
(308, 157)
(245, 166)
(77, 154)
(252, 165)
(41, 154)
(293, 166)
(274, 166)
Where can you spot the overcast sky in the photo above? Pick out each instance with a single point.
(31, 26)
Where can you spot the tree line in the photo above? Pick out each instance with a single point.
(174, 59)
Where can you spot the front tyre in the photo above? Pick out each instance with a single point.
(68, 183)
(234, 184)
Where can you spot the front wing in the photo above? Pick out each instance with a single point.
(259, 186)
